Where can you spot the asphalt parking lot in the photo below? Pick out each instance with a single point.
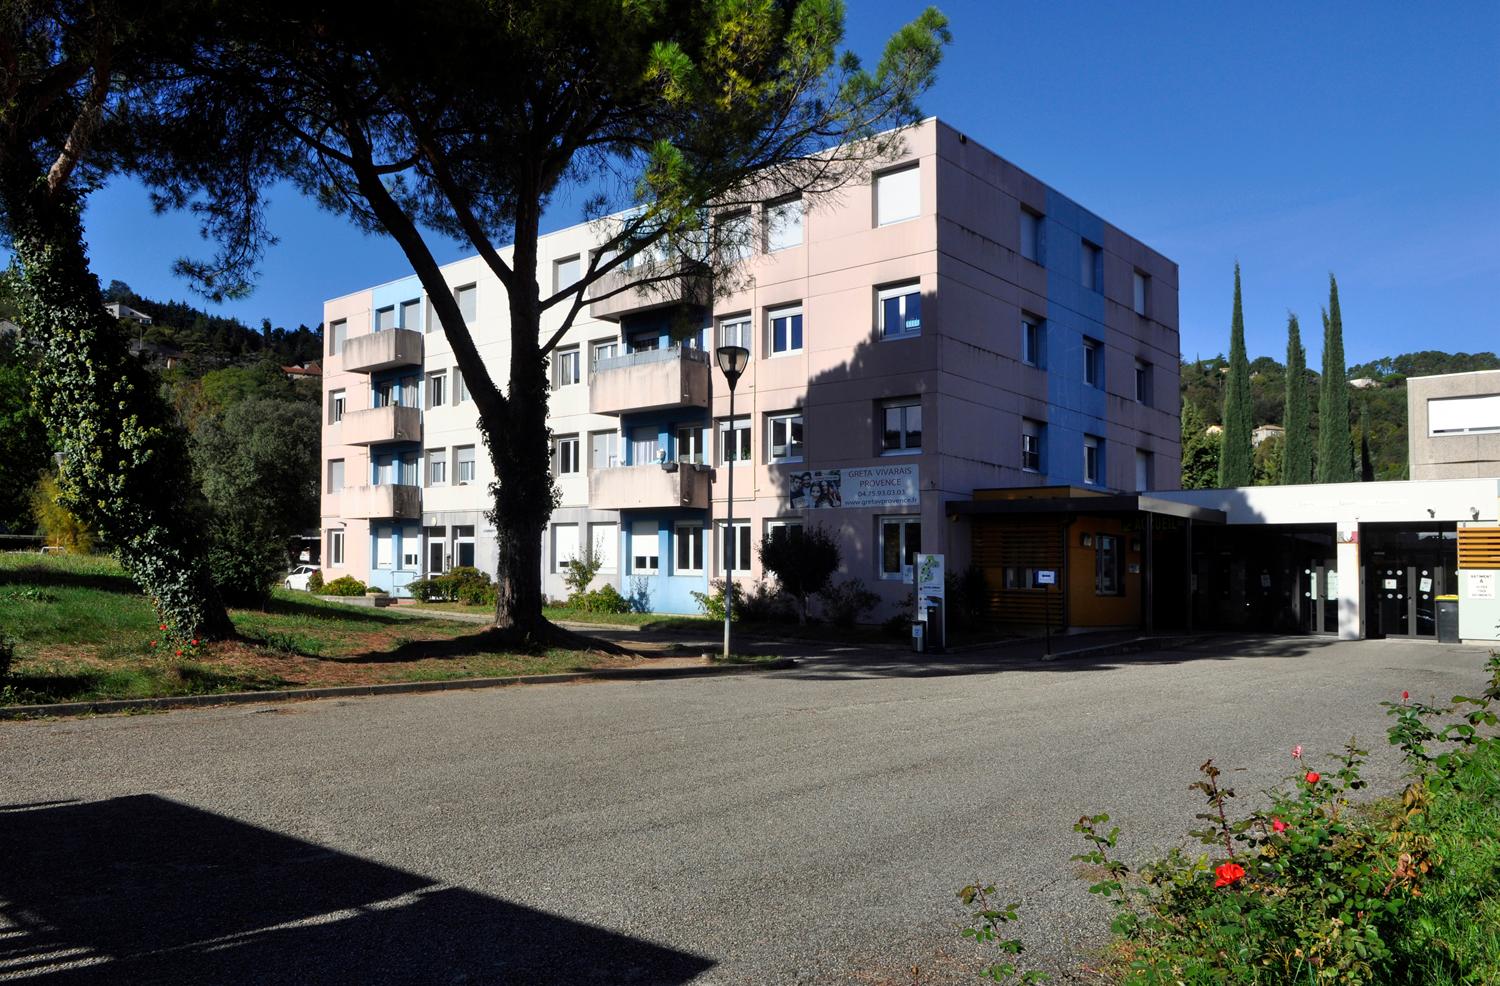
(807, 826)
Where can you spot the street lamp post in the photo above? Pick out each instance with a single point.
(732, 361)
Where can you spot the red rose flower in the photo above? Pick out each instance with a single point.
(195, 641)
(1277, 825)
(1313, 777)
(153, 643)
(179, 653)
(162, 627)
(1405, 696)
(1228, 873)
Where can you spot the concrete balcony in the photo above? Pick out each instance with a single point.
(649, 487)
(386, 502)
(378, 425)
(383, 350)
(650, 380)
(689, 289)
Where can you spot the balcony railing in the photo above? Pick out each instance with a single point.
(383, 350)
(387, 501)
(378, 425)
(692, 288)
(650, 380)
(649, 487)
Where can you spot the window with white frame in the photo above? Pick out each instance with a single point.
(338, 332)
(437, 549)
(437, 388)
(385, 318)
(1142, 382)
(645, 547)
(565, 461)
(384, 548)
(690, 445)
(411, 549)
(784, 437)
(463, 545)
(901, 425)
(1141, 285)
(464, 470)
(468, 302)
(1108, 566)
(411, 314)
(383, 394)
(785, 329)
(564, 546)
(337, 402)
(736, 330)
(1031, 444)
(900, 541)
(565, 368)
(1031, 235)
(735, 234)
(566, 272)
(734, 441)
(688, 538)
(460, 387)
(898, 195)
(1142, 470)
(335, 475)
(783, 224)
(899, 310)
(734, 547)
(605, 540)
(1093, 363)
(783, 528)
(335, 546)
(1032, 340)
(1091, 460)
(604, 449)
(1476, 415)
(437, 467)
(602, 350)
(1090, 266)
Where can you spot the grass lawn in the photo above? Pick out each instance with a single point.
(82, 631)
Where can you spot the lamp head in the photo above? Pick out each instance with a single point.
(732, 361)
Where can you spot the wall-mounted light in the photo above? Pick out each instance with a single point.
(1088, 540)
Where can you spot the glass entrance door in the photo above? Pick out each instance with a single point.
(1319, 585)
(1406, 599)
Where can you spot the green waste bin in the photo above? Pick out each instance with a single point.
(1447, 619)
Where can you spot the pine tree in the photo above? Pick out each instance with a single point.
(1296, 454)
(1335, 438)
(1200, 451)
(1237, 456)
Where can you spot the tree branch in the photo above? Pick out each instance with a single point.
(84, 124)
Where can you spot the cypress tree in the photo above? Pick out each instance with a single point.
(1237, 456)
(1296, 455)
(1335, 438)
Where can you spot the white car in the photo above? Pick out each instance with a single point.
(297, 577)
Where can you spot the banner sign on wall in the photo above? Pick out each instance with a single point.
(862, 486)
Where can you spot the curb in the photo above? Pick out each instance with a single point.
(106, 706)
(1135, 646)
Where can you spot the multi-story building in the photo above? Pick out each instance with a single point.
(1453, 424)
(950, 324)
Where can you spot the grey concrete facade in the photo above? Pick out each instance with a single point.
(1438, 453)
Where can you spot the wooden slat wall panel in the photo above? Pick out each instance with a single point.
(1479, 547)
(999, 544)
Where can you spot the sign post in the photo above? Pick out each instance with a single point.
(930, 587)
(1046, 577)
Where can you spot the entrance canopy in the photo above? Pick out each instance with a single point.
(1072, 500)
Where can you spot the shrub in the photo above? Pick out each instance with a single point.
(59, 525)
(803, 561)
(464, 584)
(473, 592)
(344, 585)
(315, 580)
(764, 603)
(712, 603)
(244, 560)
(579, 573)
(605, 599)
(7, 654)
(845, 602)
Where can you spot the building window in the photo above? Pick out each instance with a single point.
(1093, 363)
(645, 547)
(437, 467)
(1141, 285)
(382, 394)
(900, 541)
(460, 387)
(335, 475)
(565, 456)
(468, 302)
(734, 547)
(1020, 577)
(411, 549)
(899, 311)
(463, 545)
(1476, 415)
(564, 546)
(604, 449)
(690, 445)
(1031, 235)
(565, 367)
(645, 342)
(600, 351)
(385, 319)
(337, 401)
(786, 330)
(734, 441)
(1089, 267)
(605, 540)
(1031, 444)
(784, 434)
(566, 272)
(783, 528)
(736, 331)
(410, 470)
(463, 464)
(689, 540)
(411, 315)
(901, 429)
(898, 195)
(783, 225)
(1142, 382)
(337, 333)
(410, 394)
(437, 549)
(336, 546)
(1091, 463)
(736, 237)
(1031, 340)
(1142, 470)
(1107, 566)
(645, 445)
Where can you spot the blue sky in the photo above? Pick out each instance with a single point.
(1300, 139)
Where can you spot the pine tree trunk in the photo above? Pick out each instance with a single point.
(125, 471)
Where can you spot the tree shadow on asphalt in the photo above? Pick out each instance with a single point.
(483, 642)
(145, 890)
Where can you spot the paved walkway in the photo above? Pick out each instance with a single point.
(802, 827)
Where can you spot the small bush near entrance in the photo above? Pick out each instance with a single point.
(845, 602)
(315, 581)
(344, 585)
(1315, 888)
(803, 561)
(464, 584)
(606, 599)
